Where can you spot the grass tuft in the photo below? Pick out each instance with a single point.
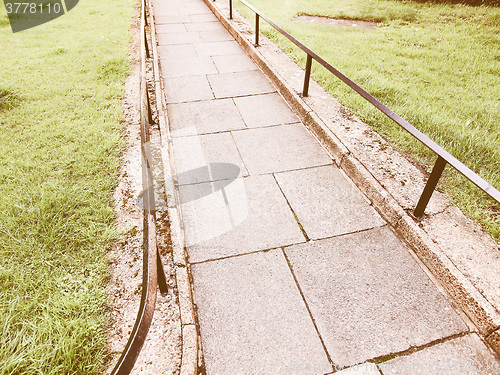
(114, 68)
(9, 97)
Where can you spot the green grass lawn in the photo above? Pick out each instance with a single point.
(60, 140)
(437, 65)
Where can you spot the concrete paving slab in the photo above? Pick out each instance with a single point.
(209, 17)
(187, 89)
(218, 48)
(264, 110)
(204, 117)
(195, 8)
(464, 355)
(166, 11)
(239, 84)
(177, 51)
(249, 214)
(234, 63)
(216, 36)
(326, 202)
(194, 154)
(178, 38)
(279, 148)
(187, 66)
(368, 296)
(252, 318)
(204, 26)
(171, 28)
(164, 7)
(161, 19)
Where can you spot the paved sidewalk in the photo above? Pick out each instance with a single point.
(294, 272)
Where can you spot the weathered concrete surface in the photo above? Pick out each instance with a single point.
(187, 89)
(392, 183)
(208, 17)
(193, 156)
(205, 26)
(326, 203)
(233, 63)
(252, 318)
(239, 84)
(171, 28)
(362, 369)
(171, 18)
(179, 50)
(279, 148)
(265, 110)
(464, 355)
(369, 297)
(250, 214)
(215, 36)
(363, 295)
(179, 38)
(217, 48)
(204, 117)
(187, 66)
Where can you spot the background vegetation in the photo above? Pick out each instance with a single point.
(60, 140)
(437, 65)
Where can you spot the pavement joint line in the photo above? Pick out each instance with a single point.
(191, 101)
(216, 68)
(479, 309)
(241, 116)
(260, 174)
(241, 96)
(307, 307)
(268, 126)
(304, 233)
(415, 349)
(244, 254)
(207, 182)
(211, 88)
(197, 135)
(354, 368)
(294, 169)
(238, 149)
(347, 233)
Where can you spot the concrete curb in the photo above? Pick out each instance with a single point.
(462, 291)
(191, 351)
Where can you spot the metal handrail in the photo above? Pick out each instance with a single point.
(444, 157)
(153, 273)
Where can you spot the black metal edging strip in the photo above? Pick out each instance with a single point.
(152, 267)
(429, 143)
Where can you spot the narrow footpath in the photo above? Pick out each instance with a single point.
(294, 272)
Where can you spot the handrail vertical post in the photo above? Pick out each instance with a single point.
(305, 90)
(437, 170)
(230, 9)
(257, 17)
